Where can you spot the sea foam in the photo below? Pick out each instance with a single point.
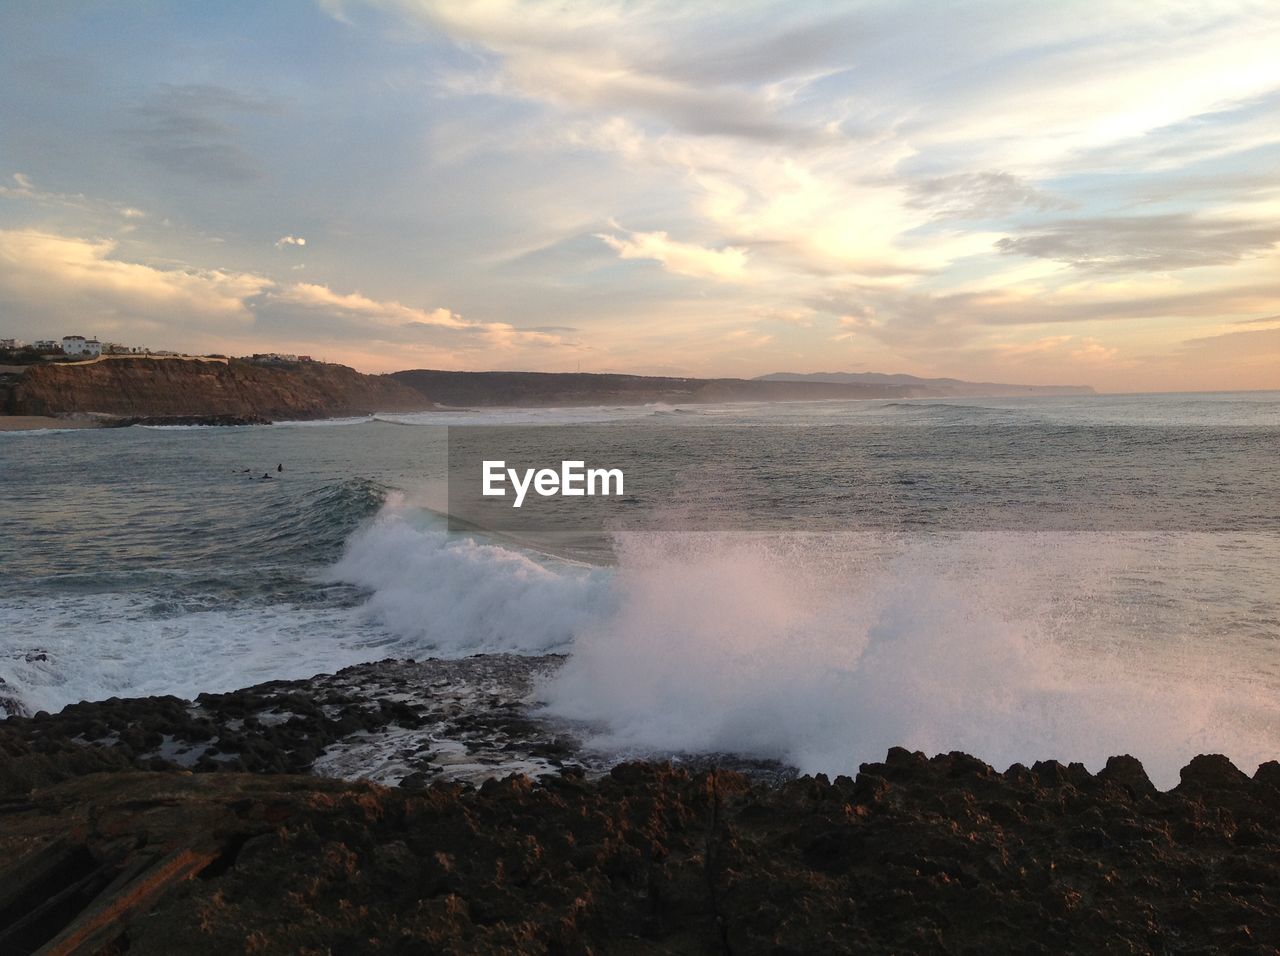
(823, 651)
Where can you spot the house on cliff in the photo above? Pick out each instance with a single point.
(79, 346)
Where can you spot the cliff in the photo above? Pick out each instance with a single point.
(589, 388)
(176, 387)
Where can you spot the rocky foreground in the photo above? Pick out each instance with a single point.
(135, 826)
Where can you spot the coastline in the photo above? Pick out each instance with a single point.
(144, 845)
(26, 423)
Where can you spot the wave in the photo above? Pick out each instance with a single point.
(101, 645)
(950, 408)
(822, 652)
(243, 607)
(818, 650)
(453, 595)
(319, 523)
(37, 432)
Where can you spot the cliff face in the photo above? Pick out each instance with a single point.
(153, 387)
(588, 388)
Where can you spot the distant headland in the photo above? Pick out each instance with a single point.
(115, 389)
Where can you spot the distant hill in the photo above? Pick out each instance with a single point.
(927, 387)
(186, 388)
(590, 388)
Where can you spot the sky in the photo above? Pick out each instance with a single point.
(1052, 193)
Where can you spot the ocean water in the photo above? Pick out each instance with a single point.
(158, 561)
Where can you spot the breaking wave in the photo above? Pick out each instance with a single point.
(818, 650)
(823, 651)
(450, 595)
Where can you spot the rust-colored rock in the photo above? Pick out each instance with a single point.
(157, 388)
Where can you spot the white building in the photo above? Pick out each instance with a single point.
(45, 345)
(10, 344)
(81, 347)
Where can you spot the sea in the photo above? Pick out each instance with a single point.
(1018, 578)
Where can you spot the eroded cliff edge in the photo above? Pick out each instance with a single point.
(188, 387)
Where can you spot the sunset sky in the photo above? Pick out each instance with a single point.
(1055, 193)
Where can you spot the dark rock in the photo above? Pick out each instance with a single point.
(1268, 773)
(1213, 772)
(916, 854)
(1127, 771)
(212, 420)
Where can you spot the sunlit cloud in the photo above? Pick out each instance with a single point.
(682, 258)
(1072, 191)
(1146, 243)
(69, 279)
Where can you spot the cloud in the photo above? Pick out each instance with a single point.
(681, 258)
(25, 189)
(1091, 350)
(806, 170)
(186, 130)
(53, 282)
(982, 195)
(371, 311)
(608, 57)
(1256, 343)
(1019, 350)
(798, 316)
(813, 152)
(1222, 131)
(351, 315)
(285, 241)
(56, 280)
(1235, 360)
(926, 323)
(1261, 320)
(748, 338)
(1147, 243)
(1064, 348)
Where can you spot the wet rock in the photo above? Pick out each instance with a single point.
(208, 420)
(388, 720)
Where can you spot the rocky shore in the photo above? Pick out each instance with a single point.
(216, 825)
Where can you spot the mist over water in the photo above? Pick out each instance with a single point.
(148, 561)
(805, 652)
